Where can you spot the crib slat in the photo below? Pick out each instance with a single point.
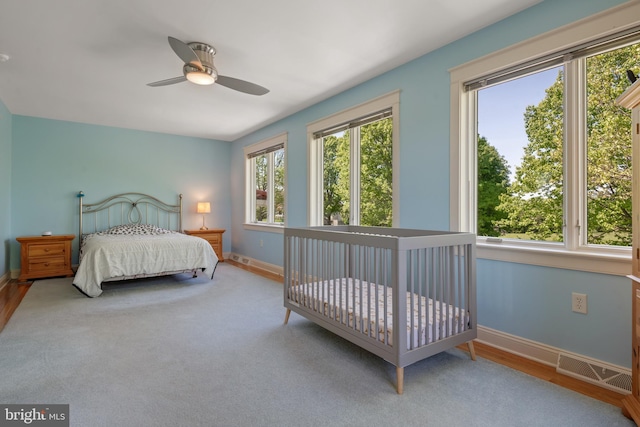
(434, 292)
(446, 282)
(345, 263)
(412, 279)
(443, 294)
(460, 278)
(360, 291)
(367, 279)
(334, 277)
(376, 279)
(385, 275)
(399, 302)
(421, 297)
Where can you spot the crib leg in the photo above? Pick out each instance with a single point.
(472, 350)
(286, 316)
(400, 379)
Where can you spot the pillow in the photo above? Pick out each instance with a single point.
(137, 229)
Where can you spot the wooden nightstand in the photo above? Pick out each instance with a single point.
(45, 256)
(213, 236)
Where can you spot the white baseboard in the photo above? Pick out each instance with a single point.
(520, 346)
(260, 265)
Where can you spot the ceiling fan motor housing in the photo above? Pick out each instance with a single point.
(205, 53)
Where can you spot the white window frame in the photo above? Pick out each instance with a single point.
(315, 200)
(250, 184)
(573, 253)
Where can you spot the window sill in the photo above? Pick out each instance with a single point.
(269, 228)
(616, 263)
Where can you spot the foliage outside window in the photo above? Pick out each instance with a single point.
(352, 165)
(265, 182)
(371, 144)
(609, 147)
(493, 181)
(529, 205)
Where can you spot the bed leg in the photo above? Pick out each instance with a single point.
(472, 350)
(400, 379)
(286, 316)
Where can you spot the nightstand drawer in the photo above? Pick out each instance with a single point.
(49, 249)
(41, 265)
(213, 240)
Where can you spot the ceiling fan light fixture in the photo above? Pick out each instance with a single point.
(198, 68)
(200, 78)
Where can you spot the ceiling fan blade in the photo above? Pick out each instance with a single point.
(170, 81)
(242, 86)
(185, 52)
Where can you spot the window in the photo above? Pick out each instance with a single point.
(520, 157)
(352, 160)
(545, 151)
(265, 185)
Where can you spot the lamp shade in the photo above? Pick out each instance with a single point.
(203, 207)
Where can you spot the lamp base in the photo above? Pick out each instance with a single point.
(203, 226)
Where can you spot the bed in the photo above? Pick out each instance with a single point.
(358, 282)
(134, 235)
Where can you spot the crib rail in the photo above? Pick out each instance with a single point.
(360, 281)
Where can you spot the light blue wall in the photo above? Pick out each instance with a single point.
(5, 186)
(535, 303)
(527, 301)
(53, 160)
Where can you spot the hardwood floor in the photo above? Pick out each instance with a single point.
(545, 372)
(12, 293)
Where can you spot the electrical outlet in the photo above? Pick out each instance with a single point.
(261, 243)
(579, 303)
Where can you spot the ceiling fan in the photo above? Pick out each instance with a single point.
(198, 68)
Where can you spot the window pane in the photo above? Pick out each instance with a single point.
(609, 148)
(261, 187)
(376, 173)
(336, 178)
(520, 153)
(278, 186)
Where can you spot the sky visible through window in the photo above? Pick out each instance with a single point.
(501, 113)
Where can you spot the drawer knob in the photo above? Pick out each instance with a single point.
(46, 264)
(46, 249)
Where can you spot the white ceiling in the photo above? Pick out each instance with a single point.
(89, 61)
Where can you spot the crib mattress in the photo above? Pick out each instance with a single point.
(361, 306)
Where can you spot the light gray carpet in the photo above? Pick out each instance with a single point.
(197, 352)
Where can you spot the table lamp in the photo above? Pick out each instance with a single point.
(203, 208)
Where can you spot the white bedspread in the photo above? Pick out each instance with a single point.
(106, 257)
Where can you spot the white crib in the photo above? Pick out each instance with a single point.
(358, 282)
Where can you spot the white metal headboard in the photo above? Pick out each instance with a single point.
(129, 208)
